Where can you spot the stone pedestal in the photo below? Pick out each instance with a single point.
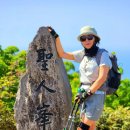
(43, 99)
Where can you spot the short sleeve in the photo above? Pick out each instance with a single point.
(105, 60)
(78, 55)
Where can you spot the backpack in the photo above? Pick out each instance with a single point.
(114, 77)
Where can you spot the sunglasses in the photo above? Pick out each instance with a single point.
(88, 37)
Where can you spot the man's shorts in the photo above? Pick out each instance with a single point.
(93, 106)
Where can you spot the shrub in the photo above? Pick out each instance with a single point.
(112, 119)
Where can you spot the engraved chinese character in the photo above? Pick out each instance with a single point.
(42, 115)
(42, 84)
(43, 57)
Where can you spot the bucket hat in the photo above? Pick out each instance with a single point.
(86, 30)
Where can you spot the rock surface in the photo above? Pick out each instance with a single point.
(43, 100)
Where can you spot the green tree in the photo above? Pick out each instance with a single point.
(73, 78)
(123, 98)
(12, 66)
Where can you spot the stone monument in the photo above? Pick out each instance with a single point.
(43, 100)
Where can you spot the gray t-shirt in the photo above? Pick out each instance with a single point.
(89, 68)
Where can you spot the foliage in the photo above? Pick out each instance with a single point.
(123, 98)
(3, 68)
(115, 119)
(12, 65)
(6, 118)
(69, 66)
(73, 78)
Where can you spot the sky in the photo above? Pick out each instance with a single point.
(20, 21)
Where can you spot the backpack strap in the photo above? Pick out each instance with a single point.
(99, 54)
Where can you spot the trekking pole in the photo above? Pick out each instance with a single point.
(74, 116)
(70, 116)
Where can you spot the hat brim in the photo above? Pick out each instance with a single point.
(87, 34)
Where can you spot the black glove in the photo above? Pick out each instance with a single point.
(85, 95)
(53, 33)
(79, 94)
